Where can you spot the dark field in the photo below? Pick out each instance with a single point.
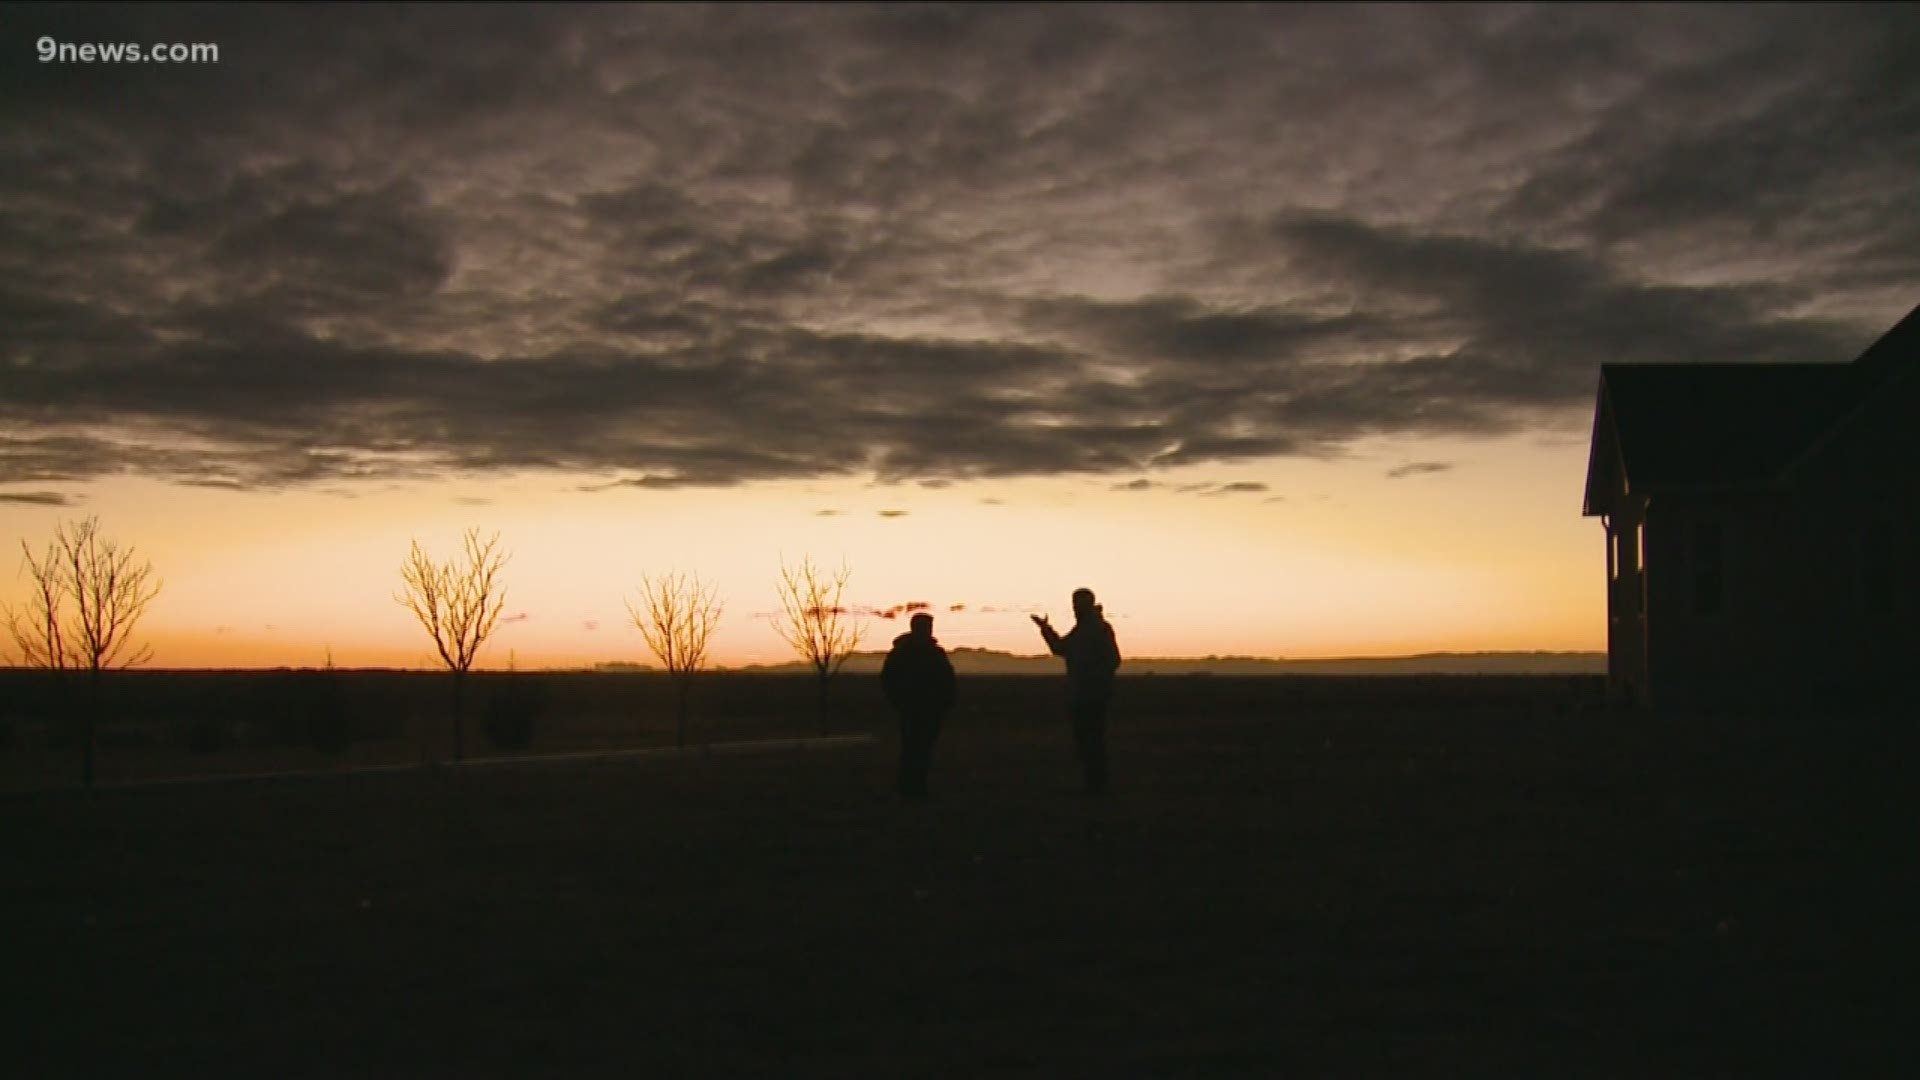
(1294, 876)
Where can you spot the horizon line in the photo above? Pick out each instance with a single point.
(620, 666)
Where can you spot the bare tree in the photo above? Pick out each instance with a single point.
(37, 628)
(457, 602)
(814, 620)
(677, 616)
(89, 594)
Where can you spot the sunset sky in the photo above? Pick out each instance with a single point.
(1279, 327)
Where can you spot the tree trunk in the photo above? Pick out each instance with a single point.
(686, 684)
(88, 728)
(823, 703)
(459, 699)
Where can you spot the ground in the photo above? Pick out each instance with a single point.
(1290, 878)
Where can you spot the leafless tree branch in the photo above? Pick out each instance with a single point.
(457, 602)
(813, 619)
(677, 616)
(89, 595)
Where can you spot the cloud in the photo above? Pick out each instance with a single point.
(339, 253)
(892, 513)
(1511, 323)
(910, 607)
(662, 248)
(826, 513)
(39, 498)
(1202, 488)
(518, 616)
(1418, 468)
(1781, 131)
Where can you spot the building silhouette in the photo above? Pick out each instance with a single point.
(1761, 526)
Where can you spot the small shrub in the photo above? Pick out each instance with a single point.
(205, 734)
(324, 707)
(511, 711)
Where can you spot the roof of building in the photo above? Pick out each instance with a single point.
(1717, 426)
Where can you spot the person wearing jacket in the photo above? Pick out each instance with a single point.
(1092, 657)
(918, 680)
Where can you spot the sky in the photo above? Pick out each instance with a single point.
(1278, 326)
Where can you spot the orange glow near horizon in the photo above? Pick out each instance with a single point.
(1332, 559)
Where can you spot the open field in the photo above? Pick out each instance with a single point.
(1293, 877)
(157, 725)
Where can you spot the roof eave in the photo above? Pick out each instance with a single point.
(1602, 412)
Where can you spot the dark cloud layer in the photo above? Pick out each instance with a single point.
(674, 246)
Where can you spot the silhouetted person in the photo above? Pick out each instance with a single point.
(918, 680)
(1092, 657)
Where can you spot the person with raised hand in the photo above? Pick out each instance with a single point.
(1092, 656)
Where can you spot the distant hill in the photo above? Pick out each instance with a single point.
(994, 662)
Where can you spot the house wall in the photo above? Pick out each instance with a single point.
(1626, 624)
(1821, 597)
(1866, 481)
(1784, 623)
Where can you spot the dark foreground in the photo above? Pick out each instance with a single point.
(1336, 884)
